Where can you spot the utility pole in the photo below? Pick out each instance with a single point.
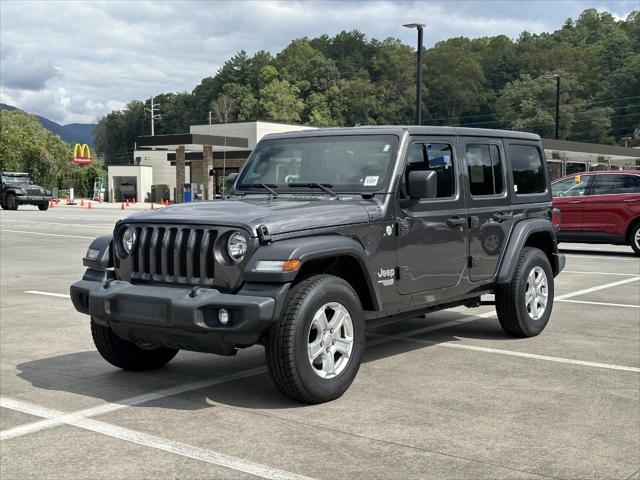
(419, 27)
(153, 115)
(557, 106)
(209, 123)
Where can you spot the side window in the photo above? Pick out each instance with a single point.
(615, 184)
(528, 173)
(437, 157)
(570, 187)
(485, 169)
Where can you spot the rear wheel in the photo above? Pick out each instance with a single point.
(11, 202)
(524, 304)
(128, 355)
(314, 351)
(634, 238)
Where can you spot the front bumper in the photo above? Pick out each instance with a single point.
(177, 317)
(32, 199)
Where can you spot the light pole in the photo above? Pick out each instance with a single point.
(419, 27)
(557, 77)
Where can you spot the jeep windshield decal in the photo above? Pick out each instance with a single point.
(326, 164)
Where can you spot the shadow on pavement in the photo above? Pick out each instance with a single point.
(91, 376)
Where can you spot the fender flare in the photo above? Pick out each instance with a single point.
(307, 249)
(521, 232)
(104, 259)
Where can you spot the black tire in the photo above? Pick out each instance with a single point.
(10, 202)
(286, 347)
(43, 206)
(634, 238)
(127, 355)
(511, 305)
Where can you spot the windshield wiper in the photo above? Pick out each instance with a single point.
(321, 186)
(268, 187)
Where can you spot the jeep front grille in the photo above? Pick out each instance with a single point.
(167, 254)
(34, 191)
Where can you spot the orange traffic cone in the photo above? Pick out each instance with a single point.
(134, 200)
(58, 201)
(99, 199)
(68, 200)
(89, 205)
(122, 206)
(127, 203)
(82, 202)
(51, 204)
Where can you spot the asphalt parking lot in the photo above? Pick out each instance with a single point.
(444, 396)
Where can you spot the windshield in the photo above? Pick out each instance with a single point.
(349, 163)
(15, 179)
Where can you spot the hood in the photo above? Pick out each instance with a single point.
(280, 215)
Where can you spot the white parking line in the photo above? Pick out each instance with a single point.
(127, 402)
(45, 234)
(151, 441)
(623, 305)
(599, 287)
(50, 294)
(604, 273)
(102, 225)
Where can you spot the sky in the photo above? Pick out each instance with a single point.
(73, 62)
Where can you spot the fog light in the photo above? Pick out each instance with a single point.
(223, 316)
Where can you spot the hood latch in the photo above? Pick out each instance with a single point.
(263, 235)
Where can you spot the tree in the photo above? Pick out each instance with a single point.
(306, 68)
(224, 108)
(455, 81)
(280, 102)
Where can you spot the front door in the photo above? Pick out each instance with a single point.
(488, 205)
(432, 233)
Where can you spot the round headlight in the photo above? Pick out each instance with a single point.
(237, 246)
(128, 239)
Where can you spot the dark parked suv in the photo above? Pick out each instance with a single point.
(324, 230)
(600, 207)
(18, 189)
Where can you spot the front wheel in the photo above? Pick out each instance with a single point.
(634, 238)
(314, 351)
(43, 206)
(524, 304)
(128, 355)
(11, 202)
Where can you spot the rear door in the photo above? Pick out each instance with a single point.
(612, 200)
(569, 197)
(488, 204)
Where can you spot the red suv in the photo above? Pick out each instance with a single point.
(599, 207)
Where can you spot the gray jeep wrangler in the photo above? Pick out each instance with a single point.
(324, 230)
(17, 189)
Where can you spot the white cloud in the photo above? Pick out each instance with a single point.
(75, 61)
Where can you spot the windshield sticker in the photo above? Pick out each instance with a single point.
(386, 148)
(371, 181)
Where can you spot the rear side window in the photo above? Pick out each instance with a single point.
(485, 169)
(437, 157)
(528, 173)
(615, 184)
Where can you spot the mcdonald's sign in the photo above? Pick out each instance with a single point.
(81, 154)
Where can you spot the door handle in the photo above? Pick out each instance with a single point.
(456, 222)
(501, 217)
(574, 202)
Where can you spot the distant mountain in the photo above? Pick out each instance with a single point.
(70, 133)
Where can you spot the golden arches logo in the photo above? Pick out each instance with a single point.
(81, 153)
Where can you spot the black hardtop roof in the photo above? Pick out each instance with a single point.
(411, 129)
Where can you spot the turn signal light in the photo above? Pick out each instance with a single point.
(290, 265)
(277, 266)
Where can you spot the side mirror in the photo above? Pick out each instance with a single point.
(422, 184)
(230, 181)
